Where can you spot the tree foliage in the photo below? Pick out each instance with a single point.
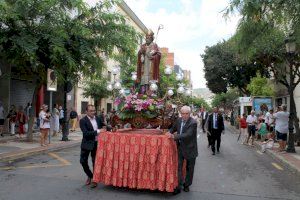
(225, 100)
(259, 86)
(223, 68)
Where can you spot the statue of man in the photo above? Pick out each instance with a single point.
(148, 61)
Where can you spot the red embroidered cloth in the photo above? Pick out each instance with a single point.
(139, 159)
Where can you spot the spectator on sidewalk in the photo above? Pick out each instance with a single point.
(55, 120)
(269, 120)
(21, 120)
(61, 117)
(74, 119)
(252, 122)
(1, 118)
(243, 128)
(282, 126)
(262, 130)
(12, 116)
(44, 117)
(28, 113)
(268, 144)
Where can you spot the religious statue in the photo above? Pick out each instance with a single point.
(148, 61)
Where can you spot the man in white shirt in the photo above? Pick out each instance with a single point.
(251, 121)
(269, 120)
(90, 126)
(282, 126)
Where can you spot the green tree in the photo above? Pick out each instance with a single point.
(225, 100)
(68, 36)
(224, 69)
(259, 86)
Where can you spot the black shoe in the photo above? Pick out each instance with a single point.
(2, 135)
(186, 189)
(93, 184)
(213, 153)
(176, 191)
(218, 151)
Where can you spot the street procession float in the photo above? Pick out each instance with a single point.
(142, 156)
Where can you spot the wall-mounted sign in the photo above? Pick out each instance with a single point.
(51, 81)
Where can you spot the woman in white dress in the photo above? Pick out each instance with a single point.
(55, 120)
(44, 124)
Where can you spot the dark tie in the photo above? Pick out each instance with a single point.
(182, 125)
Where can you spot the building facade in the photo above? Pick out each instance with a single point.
(168, 56)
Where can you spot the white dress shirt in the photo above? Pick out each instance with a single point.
(95, 125)
(251, 120)
(215, 120)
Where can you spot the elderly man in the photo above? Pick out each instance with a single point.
(184, 131)
(252, 122)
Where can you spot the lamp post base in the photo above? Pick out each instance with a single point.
(291, 150)
(291, 145)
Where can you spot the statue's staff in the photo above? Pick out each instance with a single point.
(159, 27)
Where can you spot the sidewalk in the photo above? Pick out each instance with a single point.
(289, 160)
(12, 148)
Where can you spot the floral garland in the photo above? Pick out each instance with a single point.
(135, 105)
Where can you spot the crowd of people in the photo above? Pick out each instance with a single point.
(267, 127)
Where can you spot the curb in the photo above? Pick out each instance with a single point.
(284, 162)
(276, 157)
(38, 150)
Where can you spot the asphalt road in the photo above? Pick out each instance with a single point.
(238, 173)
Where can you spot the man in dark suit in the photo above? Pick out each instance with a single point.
(184, 131)
(215, 128)
(90, 126)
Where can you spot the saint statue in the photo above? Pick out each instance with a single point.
(148, 61)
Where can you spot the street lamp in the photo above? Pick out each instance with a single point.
(115, 86)
(291, 50)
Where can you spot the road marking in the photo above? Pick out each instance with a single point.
(277, 166)
(64, 161)
(7, 168)
(40, 166)
(259, 152)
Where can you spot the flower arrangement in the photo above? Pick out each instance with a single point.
(141, 105)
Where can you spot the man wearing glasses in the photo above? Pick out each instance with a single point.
(90, 126)
(184, 131)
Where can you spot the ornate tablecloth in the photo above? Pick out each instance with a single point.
(137, 160)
